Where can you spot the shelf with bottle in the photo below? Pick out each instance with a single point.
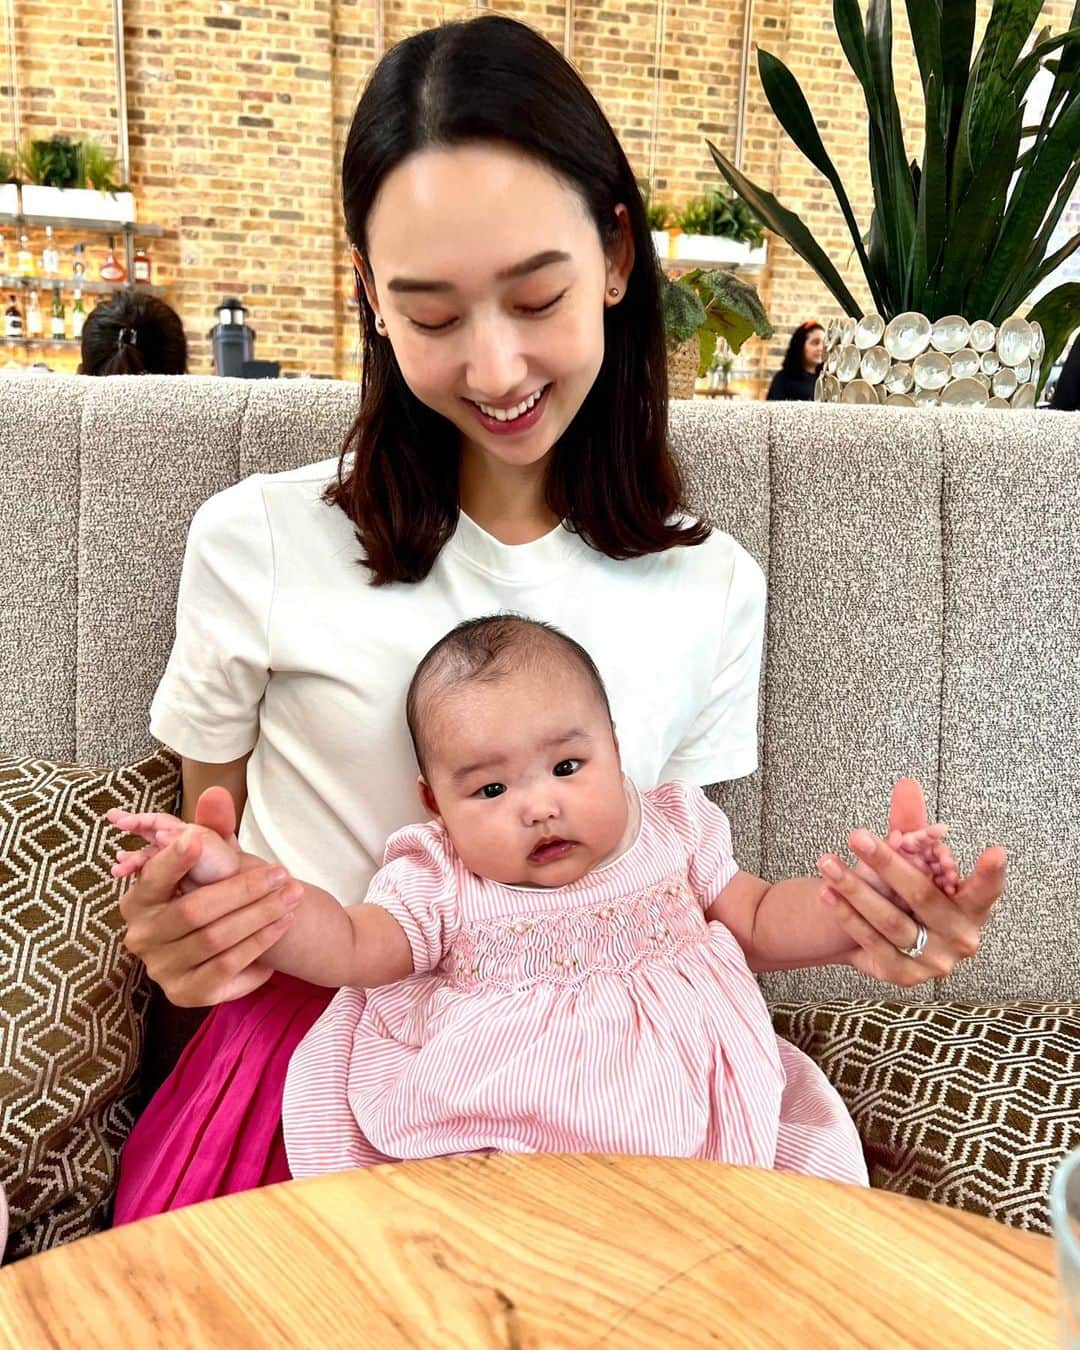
(11, 220)
(44, 318)
(21, 265)
(13, 281)
(74, 343)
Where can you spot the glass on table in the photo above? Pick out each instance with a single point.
(1065, 1217)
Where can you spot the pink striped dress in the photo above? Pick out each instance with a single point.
(606, 1016)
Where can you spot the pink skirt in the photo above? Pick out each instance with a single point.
(214, 1125)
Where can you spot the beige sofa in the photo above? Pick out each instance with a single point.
(923, 619)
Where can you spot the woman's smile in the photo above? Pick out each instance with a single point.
(514, 420)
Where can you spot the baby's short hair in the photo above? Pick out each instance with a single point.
(489, 649)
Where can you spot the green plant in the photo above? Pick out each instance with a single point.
(658, 214)
(97, 169)
(711, 304)
(51, 163)
(967, 230)
(9, 168)
(722, 214)
(63, 163)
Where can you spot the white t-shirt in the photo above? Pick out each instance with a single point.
(284, 647)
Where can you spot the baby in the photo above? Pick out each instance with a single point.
(580, 952)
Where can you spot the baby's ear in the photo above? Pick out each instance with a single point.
(427, 798)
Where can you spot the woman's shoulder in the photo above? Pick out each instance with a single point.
(244, 505)
(719, 561)
(777, 385)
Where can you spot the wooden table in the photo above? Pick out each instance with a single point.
(542, 1251)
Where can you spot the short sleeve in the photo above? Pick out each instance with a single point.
(704, 832)
(722, 741)
(207, 704)
(416, 885)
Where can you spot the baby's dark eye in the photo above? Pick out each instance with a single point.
(490, 790)
(566, 767)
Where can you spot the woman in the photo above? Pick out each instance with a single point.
(1067, 390)
(510, 453)
(802, 363)
(133, 334)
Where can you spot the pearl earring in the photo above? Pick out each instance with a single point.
(614, 291)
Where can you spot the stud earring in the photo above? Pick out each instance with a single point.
(380, 323)
(614, 291)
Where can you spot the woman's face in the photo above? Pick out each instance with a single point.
(814, 351)
(490, 276)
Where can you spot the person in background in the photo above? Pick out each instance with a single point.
(802, 363)
(133, 335)
(1067, 390)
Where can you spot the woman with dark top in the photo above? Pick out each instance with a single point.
(1067, 390)
(802, 363)
(133, 334)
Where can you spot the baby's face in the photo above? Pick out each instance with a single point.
(524, 773)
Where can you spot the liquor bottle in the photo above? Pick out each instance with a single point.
(58, 327)
(112, 269)
(50, 255)
(78, 261)
(35, 325)
(24, 258)
(78, 315)
(141, 265)
(13, 324)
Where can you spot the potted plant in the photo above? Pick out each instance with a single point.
(700, 307)
(9, 185)
(719, 227)
(956, 243)
(64, 178)
(659, 216)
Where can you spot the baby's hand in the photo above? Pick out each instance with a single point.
(925, 849)
(217, 860)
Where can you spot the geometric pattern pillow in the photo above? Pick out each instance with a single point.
(968, 1105)
(72, 998)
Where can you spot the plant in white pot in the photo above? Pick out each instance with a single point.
(659, 217)
(9, 185)
(719, 227)
(958, 243)
(699, 308)
(77, 180)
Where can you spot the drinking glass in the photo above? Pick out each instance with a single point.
(1065, 1216)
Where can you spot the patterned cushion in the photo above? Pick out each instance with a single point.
(72, 1000)
(967, 1105)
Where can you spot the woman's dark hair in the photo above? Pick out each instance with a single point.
(793, 357)
(612, 477)
(488, 649)
(133, 335)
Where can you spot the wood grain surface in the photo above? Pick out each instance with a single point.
(542, 1251)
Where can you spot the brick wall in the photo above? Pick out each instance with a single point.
(238, 115)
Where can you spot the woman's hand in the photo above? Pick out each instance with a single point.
(203, 947)
(880, 930)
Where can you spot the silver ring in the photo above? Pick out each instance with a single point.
(918, 946)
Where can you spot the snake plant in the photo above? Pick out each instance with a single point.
(967, 230)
